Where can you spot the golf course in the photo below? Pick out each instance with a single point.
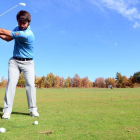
(75, 114)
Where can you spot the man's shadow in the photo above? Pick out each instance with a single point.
(18, 113)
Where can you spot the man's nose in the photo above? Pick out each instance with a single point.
(22, 25)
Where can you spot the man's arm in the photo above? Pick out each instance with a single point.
(6, 38)
(5, 35)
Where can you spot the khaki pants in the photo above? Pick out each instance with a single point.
(15, 68)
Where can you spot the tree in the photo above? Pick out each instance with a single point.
(37, 81)
(136, 77)
(125, 82)
(91, 84)
(85, 82)
(50, 80)
(57, 82)
(67, 82)
(79, 82)
(42, 82)
(71, 82)
(21, 81)
(99, 82)
(75, 80)
(3, 82)
(62, 82)
(131, 84)
(110, 81)
(113, 81)
(119, 79)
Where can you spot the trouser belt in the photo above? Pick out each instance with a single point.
(23, 59)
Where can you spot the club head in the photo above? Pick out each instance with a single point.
(23, 4)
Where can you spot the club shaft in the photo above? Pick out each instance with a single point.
(8, 10)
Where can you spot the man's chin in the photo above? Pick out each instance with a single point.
(22, 28)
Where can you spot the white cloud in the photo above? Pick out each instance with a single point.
(123, 8)
(136, 25)
(127, 8)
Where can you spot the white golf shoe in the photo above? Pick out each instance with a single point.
(6, 116)
(34, 114)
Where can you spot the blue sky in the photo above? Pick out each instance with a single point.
(85, 37)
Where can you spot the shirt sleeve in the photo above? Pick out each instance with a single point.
(19, 35)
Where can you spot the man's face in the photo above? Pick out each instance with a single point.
(23, 25)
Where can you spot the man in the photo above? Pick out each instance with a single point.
(22, 61)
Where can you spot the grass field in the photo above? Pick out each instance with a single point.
(75, 114)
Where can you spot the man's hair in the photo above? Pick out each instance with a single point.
(23, 16)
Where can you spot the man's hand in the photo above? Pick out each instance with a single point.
(5, 35)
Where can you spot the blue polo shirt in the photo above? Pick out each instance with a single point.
(24, 42)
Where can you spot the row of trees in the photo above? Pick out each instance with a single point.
(56, 82)
(52, 81)
(119, 81)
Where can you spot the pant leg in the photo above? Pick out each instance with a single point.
(13, 75)
(28, 71)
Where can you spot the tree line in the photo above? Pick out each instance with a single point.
(52, 81)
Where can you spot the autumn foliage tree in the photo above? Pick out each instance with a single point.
(42, 82)
(99, 82)
(37, 81)
(3, 82)
(50, 80)
(21, 81)
(130, 81)
(62, 80)
(80, 82)
(85, 82)
(67, 82)
(110, 81)
(75, 80)
(57, 82)
(125, 82)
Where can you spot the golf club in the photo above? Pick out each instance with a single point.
(23, 4)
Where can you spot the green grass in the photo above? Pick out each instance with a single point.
(75, 114)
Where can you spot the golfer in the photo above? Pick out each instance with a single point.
(22, 61)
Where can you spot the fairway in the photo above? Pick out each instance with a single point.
(75, 114)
